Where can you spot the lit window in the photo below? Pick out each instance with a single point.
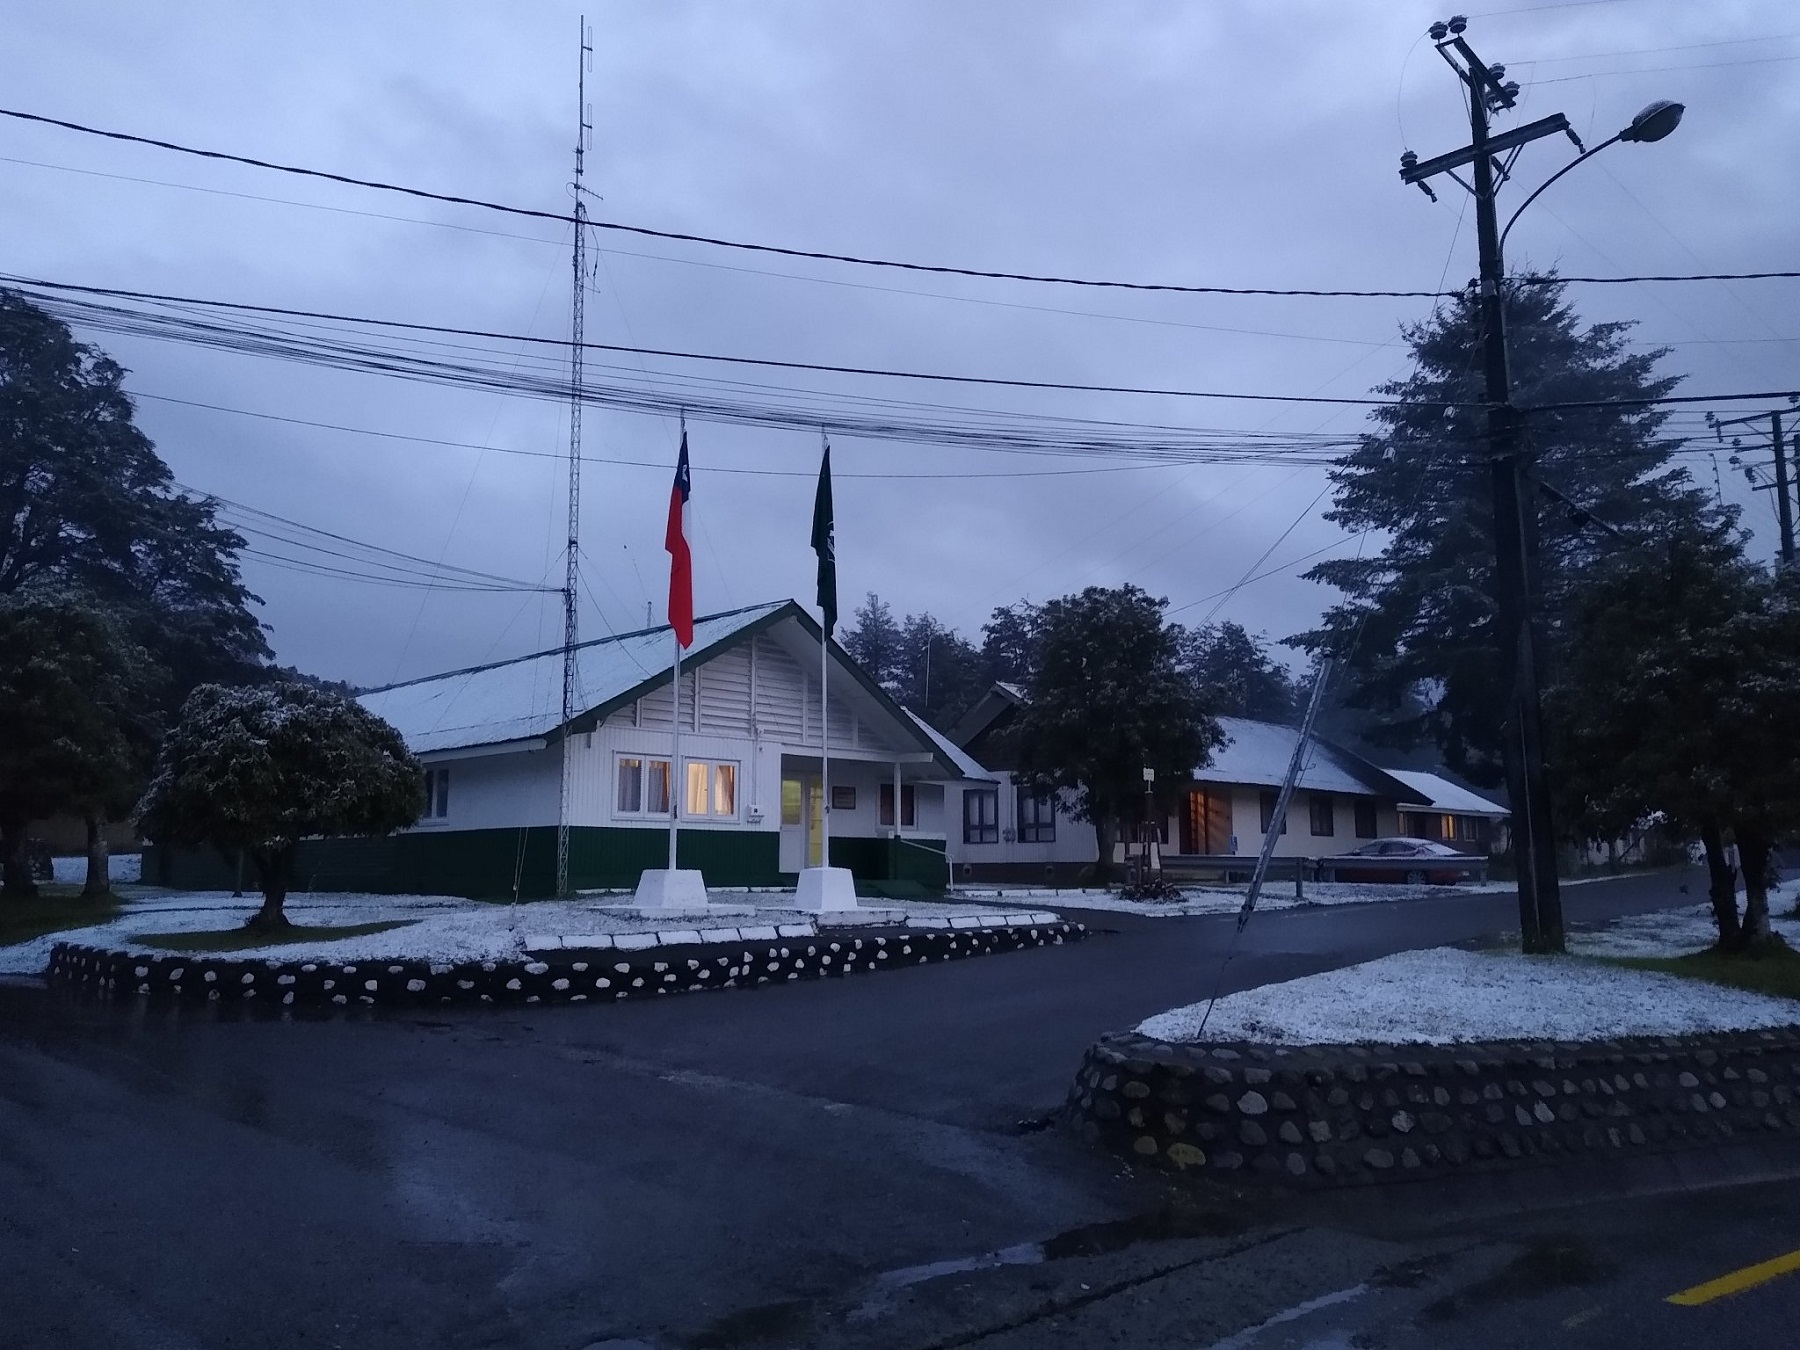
(695, 802)
(790, 801)
(724, 789)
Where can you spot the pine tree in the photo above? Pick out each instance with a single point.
(873, 641)
(1419, 615)
(1237, 675)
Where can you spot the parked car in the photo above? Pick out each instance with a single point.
(1413, 861)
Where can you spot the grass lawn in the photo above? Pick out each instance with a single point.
(54, 909)
(1775, 972)
(241, 939)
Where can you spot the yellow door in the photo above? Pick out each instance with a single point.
(815, 823)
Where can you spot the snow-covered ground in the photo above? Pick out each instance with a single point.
(447, 929)
(1676, 932)
(1444, 995)
(1278, 893)
(121, 867)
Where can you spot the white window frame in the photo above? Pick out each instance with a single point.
(678, 786)
(437, 794)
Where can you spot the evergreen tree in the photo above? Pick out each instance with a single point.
(258, 769)
(940, 675)
(1418, 617)
(1238, 676)
(86, 502)
(1108, 699)
(873, 641)
(74, 733)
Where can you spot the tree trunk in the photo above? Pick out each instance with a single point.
(99, 863)
(274, 866)
(1721, 887)
(1753, 855)
(16, 881)
(1103, 839)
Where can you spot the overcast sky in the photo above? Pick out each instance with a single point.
(1250, 144)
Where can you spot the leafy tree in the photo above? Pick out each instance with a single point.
(1238, 676)
(85, 501)
(1108, 698)
(873, 641)
(1680, 695)
(72, 732)
(1421, 611)
(1008, 641)
(258, 769)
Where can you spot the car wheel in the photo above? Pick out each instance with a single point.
(1415, 878)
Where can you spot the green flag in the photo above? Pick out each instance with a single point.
(824, 542)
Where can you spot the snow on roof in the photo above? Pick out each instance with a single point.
(1447, 796)
(522, 698)
(965, 764)
(1259, 752)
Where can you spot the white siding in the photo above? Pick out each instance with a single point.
(500, 791)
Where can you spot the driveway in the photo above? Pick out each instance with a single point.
(701, 1170)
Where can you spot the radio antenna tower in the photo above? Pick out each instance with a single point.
(577, 326)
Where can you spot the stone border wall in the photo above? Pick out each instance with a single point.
(569, 979)
(1316, 1116)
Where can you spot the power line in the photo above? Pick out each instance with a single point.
(770, 362)
(647, 231)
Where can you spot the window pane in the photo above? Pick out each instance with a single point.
(695, 802)
(1365, 820)
(630, 797)
(908, 806)
(443, 793)
(724, 789)
(1324, 820)
(656, 788)
(790, 801)
(885, 811)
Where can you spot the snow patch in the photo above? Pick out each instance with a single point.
(1443, 996)
(120, 867)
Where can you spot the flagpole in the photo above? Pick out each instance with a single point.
(824, 750)
(675, 776)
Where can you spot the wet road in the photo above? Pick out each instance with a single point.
(741, 1168)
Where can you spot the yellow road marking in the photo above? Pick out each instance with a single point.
(1737, 1281)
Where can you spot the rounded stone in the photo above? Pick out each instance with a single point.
(1136, 1089)
(1289, 1133)
(1252, 1134)
(1253, 1104)
(1379, 1158)
(1143, 1144)
(1185, 1155)
(1296, 1164)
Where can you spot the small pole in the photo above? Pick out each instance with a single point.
(675, 776)
(1149, 822)
(1781, 491)
(824, 753)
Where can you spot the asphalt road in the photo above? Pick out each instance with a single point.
(849, 1162)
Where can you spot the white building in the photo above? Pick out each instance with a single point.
(493, 741)
(1001, 831)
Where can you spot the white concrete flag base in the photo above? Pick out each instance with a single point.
(825, 890)
(677, 892)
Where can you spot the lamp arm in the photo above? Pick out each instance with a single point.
(1579, 159)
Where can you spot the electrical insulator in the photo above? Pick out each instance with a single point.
(1458, 23)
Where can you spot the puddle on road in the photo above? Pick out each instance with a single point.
(1094, 1239)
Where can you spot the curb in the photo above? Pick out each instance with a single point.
(610, 976)
(1327, 1116)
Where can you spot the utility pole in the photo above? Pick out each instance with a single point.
(1784, 505)
(571, 574)
(1534, 837)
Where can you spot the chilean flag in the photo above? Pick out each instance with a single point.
(681, 559)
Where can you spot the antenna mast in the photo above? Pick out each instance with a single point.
(577, 328)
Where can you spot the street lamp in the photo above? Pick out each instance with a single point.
(1534, 836)
(1652, 124)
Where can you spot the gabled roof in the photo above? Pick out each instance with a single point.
(1000, 697)
(953, 752)
(521, 699)
(1443, 795)
(1258, 753)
